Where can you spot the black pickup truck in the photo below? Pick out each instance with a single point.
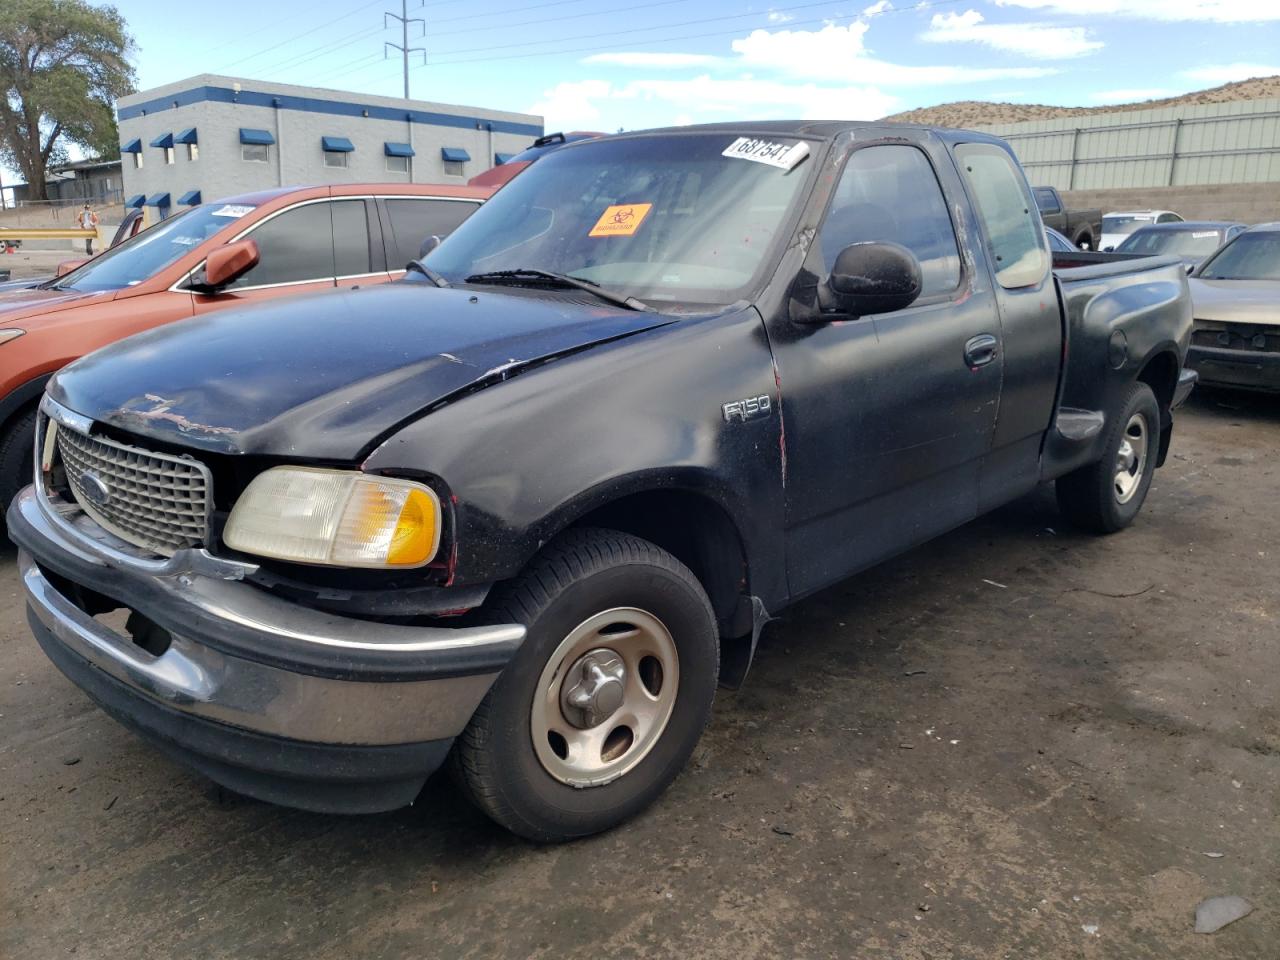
(524, 510)
(1082, 227)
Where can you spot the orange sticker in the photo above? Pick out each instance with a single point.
(622, 220)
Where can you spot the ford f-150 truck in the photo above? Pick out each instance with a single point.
(1083, 227)
(523, 510)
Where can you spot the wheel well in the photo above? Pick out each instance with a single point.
(1161, 375)
(699, 533)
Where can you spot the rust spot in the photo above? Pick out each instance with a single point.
(162, 411)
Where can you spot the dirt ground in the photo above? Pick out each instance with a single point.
(1014, 742)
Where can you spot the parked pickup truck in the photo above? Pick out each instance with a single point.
(525, 508)
(1083, 227)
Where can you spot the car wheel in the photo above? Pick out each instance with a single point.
(605, 700)
(17, 458)
(1106, 496)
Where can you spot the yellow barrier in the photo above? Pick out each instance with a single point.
(45, 233)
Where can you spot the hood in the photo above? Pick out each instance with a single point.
(31, 301)
(323, 376)
(1236, 301)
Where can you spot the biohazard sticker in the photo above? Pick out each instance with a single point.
(622, 220)
(782, 155)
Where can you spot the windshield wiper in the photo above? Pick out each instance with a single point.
(527, 276)
(427, 272)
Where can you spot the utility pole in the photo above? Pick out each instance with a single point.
(404, 47)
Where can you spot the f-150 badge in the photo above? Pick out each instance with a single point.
(750, 408)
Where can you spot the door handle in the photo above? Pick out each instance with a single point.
(980, 350)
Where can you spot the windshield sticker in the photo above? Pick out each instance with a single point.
(232, 210)
(1204, 234)
(185, 241)
(622, 220)
(784, 156)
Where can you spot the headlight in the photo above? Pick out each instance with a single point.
(13, 333)
(339, 518)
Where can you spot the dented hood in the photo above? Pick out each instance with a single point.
(323, 376)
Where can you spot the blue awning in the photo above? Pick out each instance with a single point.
(398, 150)
(133, 146)
(190, 199)
(262, 137)
(336, 145)
(501, 158)
(454, 155)
(164, 140)
(186, 136)
(158, 200)
(136, 201)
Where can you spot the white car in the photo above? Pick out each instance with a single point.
(1118, 224)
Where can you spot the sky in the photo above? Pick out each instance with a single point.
(629, 64)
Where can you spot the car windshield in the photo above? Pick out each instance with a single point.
(683, 218)
(1251, 256)
(1196, 244)
(1125, 225)
(152, 250)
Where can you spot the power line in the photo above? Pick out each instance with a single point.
(629, 8)
(298, 36)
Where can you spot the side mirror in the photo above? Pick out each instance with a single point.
(66, 266)
(875, 277)
(228, 263)
(428, 245)
(1110, 249)
(1191, 268)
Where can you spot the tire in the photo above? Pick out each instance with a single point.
(17, 458)
(1097, 497)
(1084, 241)
(579, 593)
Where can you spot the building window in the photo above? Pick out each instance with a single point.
(193, 151)
(168, 155)
(455, 168)
(335, 158)
(137, 161)
(255, 152)
(397, 164)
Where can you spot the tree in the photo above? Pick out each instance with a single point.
(63, 64)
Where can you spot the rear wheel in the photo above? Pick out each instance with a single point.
(1106, 496)
(17, 458)
(607, 697)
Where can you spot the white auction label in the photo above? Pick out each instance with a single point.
(782, 155)
(232, 210)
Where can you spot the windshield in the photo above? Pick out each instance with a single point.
(662, 218)
(152, 250)
(1125, 225)
(1250, 256)
(1195, 244)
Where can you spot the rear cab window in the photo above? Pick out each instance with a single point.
(1014, 237)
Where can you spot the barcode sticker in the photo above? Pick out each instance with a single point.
(784, 156)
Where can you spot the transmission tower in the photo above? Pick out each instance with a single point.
(404, 47)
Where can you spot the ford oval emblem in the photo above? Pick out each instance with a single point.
(95, 491)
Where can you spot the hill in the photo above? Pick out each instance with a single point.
(980, 113)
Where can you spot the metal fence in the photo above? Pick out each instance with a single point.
(1196, 144)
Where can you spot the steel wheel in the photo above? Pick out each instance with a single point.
(1131, 459)
(604, 697)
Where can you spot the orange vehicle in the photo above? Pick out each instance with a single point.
(213, 256)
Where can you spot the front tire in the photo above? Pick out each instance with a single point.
(17, 458)
(604, 702)
(1105, 496)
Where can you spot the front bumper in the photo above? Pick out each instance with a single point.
(1248, 369)
(272, 699)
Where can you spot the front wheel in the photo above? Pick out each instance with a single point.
(1106, 496)
(17, 459)
(607, 697)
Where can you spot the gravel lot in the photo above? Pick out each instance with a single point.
(1014, 742)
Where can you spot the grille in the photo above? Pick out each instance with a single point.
(150, 499)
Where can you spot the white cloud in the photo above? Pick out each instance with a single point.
(1133, 95)
(877, 8)
(666, 61)
(1217, 11)
(1028, 39)
(572, 103)
(1218, 74)
(777, 16)
(837, 53)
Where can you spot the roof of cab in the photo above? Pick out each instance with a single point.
(822, 129)
(306, 191)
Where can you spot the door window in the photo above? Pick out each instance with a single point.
(294, 246)
(412, 221)
(891, 193)
(1004, 205)
(350, 239)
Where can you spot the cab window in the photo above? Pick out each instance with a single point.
(891, 193)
